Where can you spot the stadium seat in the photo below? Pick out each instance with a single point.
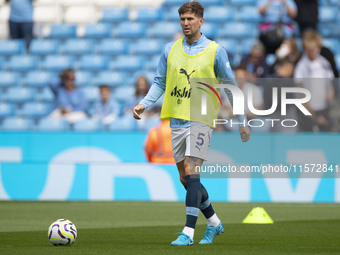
(19, 95)
(128, 63)
(17, 124)
(37, 79)
(98, 30)
(6, 110)
(329, 30)
(52, 125)
(172, 14)
(112, 79)
(247, 44)
(93, 63)
(45, 95)
(219, 14)
(112, 47)
(176, 3)
(112, 15)
(91, 94)
(81, 14)
(12, 47)
(2, 62)
(164, 30)
(124, 93)
(248, 14)
(230, 45)
(125, 123)
(147, 47)
(149, 14)
(47, 14)
(210, 30)
(152, 63)
(35, 110)
(328, 14)
(63, 31)
(22, 63)
(130, 30)
(77, 47)
(332, 44)
(44, 47)
(237, 30)
(87, 125)
(56, 63)
(83, 78)
(243, 2)
(9, 79)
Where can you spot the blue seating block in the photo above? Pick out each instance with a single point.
(35, 110)
(91, 94)
(210, 30)
(128, 63)
(37, 79)
(112, 47)
(84, 78)
(112, 79)
(248, 14)
(63, 31)
(332, 44)
(57, 63)
(149, 14)
(164, 29)
(93, 62)
(17, 124)
(9, 79)
(243, 2)
(98, 30)
(22, 63)
(87, 125)
(44, 47)
(328, 14)
(147, 47)
(219, 14)
(12, 47)
(237, 30)
(115, 14)
(46, 95)
(77, 46)
(130, 30)
(19, 95)
(172, 14)
(52, 125)
(230, 45)
(6, 110)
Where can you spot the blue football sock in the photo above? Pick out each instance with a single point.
(206, 206)
(193, 199)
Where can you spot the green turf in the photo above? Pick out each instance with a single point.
(149, 227)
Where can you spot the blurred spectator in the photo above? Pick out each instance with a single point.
(255, 62)
(21, 20)
(107, 109)
(242, 76)
(276, 22)
(307, 14)
(287, 50)
(70, 101)
(158, 144)
(314, 72)
(282, 78)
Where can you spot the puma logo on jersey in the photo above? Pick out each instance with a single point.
(183, 71)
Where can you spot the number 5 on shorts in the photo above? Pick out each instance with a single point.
(200, 139)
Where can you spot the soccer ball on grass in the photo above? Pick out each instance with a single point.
(62, 232)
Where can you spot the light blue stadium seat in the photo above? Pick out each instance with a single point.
(130, 30)
(63, 31)
(329, 30)
(52, 125)
(112, 47)
(176, 3)
(12, 47)
(93, 62)
(22, 63)
(77, 46)
(44, 47)
(112, 79)
(149, 14)
(172, 14)
(332, 44)
(19, 95)
(219, 14)
(46, 95)
(147, 47)
(115, 14)
(9, 79)
(152, 63)
(98, 30)
(247, 44)
(87, 125)
(230, 45)
(84, 78)
(207, 3)
(248, 14)
(328, 14)
(57, 63)
(37, 79)
(164, 30)
(2, 62)
(91, 94)
(333, 2)
(124, 93)
(243, 2)
(6, 110)
(125, 123)
(237, 30)
(35, 110)
(17, 124)
(210, 30)
(128, 63)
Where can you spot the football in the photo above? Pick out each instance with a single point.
(62, 232)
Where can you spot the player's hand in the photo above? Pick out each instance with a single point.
(245, 133)
(137, 110)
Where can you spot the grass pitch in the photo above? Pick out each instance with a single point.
(149, 227)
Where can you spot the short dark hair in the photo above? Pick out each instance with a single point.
(240, 68)
(65, 73)
(104, 86)
(282, 62)
(192, 6)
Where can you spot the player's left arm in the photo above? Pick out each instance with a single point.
(226, 75)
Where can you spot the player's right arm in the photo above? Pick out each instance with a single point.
(158, 86)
